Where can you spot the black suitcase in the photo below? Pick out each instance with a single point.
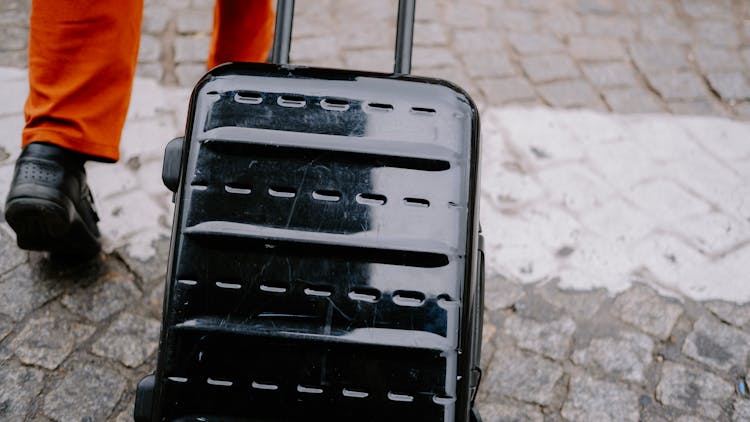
(325, 260)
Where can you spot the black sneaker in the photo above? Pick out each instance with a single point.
(50, 206)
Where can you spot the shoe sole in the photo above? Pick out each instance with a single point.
(45, 225)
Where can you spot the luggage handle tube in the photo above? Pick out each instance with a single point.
(282, 37)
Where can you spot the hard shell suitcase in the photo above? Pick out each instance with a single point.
(325, 261)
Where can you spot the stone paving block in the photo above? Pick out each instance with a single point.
(561, 23)
(632, 100)
(720, 33)
(571, 93)
(532, 141)
(623, 164)
(433, 57)
(372, 34)
(155, 18)
(466, 15)
(23, 289)
(665, 199)
(741, 410)
(19, 386)
(151, 267)
(534, 43)
(103, 298)
(501, 293)
(477, 39)
(506, 90)
(549, 67)
(705, 107)
(523, 376)
(481, 64)
(87, 393)
(194, 21)
(380, 60)
(714, 233)
(594, 400)
(121, 221)
(610, 26)
(507, 411)
(581, 305)
(551, 339)
(6, 326)
(149, 49)
(707, 9)
(607, 258)
(130, 339)
(513, 190)
(693, 390)
(193, 48)
(611, 74)
(153, 71)
(597, 7)
(737, 315)
(643, 308)
(679, 86)
(625, 355)
(711, 58)
(425, 33)
(46, 341)
(717, 345)
(10, 255)
(657, 58)
(575, 188)
(730, 85)
(521, 20)
(307, 50)
(188, 74)
(658, 28)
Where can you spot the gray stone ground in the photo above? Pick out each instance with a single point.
(683, 56)
(74, 341)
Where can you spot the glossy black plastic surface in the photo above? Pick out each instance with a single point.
(324, 261)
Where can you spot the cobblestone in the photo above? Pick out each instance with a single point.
(523, 377)
(693, 390)
(104, 297)
(19, 386)
(130, 339)
(48, 340)
(573, 93)
(717, 345)
(508, 412)
(22, 290)
(730, 85)
(610, 74)
(552, 339)
(593, 400)
(654, 315)
(625, 355)
(571, 200)
(549, 67)
(88, 392)
(679, 86)
(632, 100)
(508, 90)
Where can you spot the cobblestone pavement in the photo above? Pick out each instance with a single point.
(683, 56)
(618, 245)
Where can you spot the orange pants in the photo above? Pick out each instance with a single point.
(82, 58)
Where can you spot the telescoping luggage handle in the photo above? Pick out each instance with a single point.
(282, 37)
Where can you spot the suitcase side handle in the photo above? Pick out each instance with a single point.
(282, 37)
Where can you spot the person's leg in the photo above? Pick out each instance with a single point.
(243, 31)
(82, 58)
